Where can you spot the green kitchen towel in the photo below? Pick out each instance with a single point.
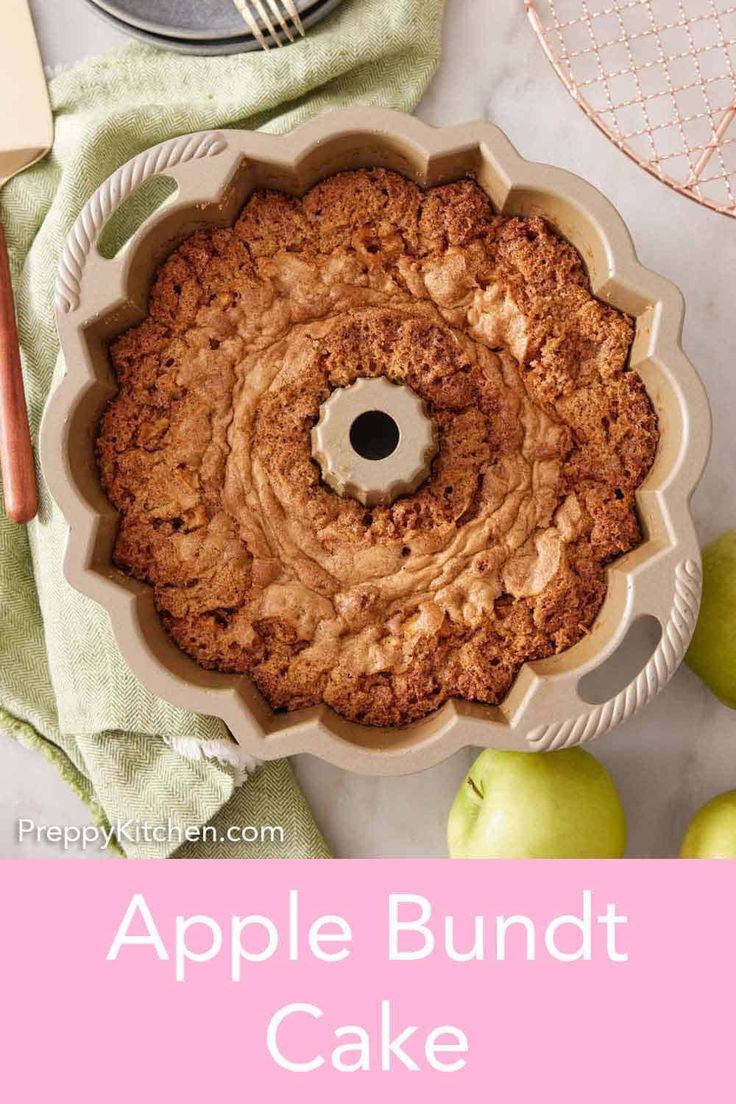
(63, 686)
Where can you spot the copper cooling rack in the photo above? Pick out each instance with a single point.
(658, 77)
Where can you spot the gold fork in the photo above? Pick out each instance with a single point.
(256, 15)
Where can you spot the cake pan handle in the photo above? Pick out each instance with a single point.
(162, 159)
(673, 589)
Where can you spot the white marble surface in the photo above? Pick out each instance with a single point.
(682, 750)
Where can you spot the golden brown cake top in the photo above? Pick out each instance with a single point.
(498, 558)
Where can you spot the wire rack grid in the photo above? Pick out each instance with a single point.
(658, 77)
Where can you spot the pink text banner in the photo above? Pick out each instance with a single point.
(140, 981)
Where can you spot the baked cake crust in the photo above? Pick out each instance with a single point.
(498, 558)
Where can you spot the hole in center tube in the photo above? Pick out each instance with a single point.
(374, 435)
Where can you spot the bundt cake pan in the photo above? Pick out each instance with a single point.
(214, 172)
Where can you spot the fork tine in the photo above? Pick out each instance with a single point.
(265, 17)
(291, 9)
(273, 5)
(252, 22)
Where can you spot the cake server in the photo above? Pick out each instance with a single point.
(26, 132)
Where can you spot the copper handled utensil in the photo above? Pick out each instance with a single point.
(26, 132)
(262, 16)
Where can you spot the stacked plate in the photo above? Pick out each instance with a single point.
(195, 26)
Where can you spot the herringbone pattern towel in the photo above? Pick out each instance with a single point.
(63, 686)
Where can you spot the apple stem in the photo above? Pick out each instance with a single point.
(476, 789)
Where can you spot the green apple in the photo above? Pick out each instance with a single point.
(712, 653)
(527, 805)
(711, 833)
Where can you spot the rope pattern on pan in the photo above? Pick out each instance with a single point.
(662, 665)
(114, 191)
